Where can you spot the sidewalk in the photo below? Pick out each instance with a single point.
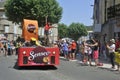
(106, 63)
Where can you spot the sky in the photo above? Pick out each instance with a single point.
(77, 11)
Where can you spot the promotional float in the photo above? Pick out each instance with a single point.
(35, 55)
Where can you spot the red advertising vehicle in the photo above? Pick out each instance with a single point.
(36, 55)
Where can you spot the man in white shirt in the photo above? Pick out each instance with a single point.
(111, 49)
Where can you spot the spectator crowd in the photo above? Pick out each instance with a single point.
(89, 50)
(92, 50)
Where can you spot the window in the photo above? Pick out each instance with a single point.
(6, 28)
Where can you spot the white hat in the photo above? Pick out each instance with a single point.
(72, 40)
(64, 41)
(112, 40)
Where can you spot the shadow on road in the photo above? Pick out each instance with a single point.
(47, 67)
(64, 59)
(108, 69)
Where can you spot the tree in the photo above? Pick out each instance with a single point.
(77, 30)
(17, 10)
(62, 30)
(89, 28)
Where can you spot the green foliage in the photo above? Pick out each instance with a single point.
(62, 30)
(17, 10)
(77, 30)
(74, 31)
(89, 28)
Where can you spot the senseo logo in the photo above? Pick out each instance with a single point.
(31, 28)
(34, 55)
(39, 55)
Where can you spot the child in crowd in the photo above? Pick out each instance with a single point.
(89, 55)
(117, 58)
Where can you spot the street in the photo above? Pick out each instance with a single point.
(67, 70)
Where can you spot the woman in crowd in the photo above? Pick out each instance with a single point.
(85, 52)
(73, 50)
(95, 51)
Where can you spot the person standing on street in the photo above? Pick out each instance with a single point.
(103, 51)
(69, 50)
(1, 47)
(65, 49)
(117, 44)
(117, 59)
(111, 49)
(85, 53)
(9, 48)
(73, 46)
(6, 49)
(95, 51)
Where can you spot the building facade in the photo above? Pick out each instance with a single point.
(11, 31)
(107, 19)
(7, 28)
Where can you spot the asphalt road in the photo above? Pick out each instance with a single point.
(67, 70)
